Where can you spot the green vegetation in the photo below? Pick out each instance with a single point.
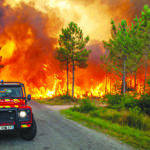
(129, 48)
(143, 33)
(122, 114)
(85, 106)
(59, 100)
(123, 119)
(124, 49)
(129, 102)
(144, 103)
(72, 50)
(132, 136)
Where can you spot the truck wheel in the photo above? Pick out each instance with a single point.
(29, 133)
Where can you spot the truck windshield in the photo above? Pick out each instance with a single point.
(10, 92)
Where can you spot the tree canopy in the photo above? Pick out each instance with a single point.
(129, 44)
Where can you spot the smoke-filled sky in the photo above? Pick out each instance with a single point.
(92, 15)
(29, 30)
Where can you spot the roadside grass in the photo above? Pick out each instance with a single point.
(59, 100)
(135, 137)
(122, 116)
(68, 100)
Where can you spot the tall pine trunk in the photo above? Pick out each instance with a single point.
(122, 86)
(72, 78)
(67, 77)
(135, 81)
(110, 83)
(106, 84)
(145, 73)
(124, 77)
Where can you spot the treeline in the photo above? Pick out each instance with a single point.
(129, 48)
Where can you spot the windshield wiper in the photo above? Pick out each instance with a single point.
(7, 96)
(4, 96)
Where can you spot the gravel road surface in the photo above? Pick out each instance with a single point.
(57, 133)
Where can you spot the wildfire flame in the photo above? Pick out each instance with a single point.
(29, 31)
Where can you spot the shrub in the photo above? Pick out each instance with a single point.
(67, 98)
(75, 108)
(129, 101)
(107, 114)
(112, 115)
(85, 106)
(95, 114)
(135, 118)
(98, 113)
(114, 100)
(122, 101)
(144, 103)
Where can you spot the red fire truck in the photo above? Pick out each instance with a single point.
(15, 114)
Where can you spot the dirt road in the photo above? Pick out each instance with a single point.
(57, 133)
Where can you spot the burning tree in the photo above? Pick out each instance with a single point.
(1, 66)
(63, 57)
(144, 35)
(72, 50)
(124, 47)
(108, 70)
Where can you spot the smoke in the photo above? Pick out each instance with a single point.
(26, 43)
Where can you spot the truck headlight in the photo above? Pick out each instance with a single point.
(22, 114)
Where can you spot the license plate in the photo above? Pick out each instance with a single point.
(6, 127)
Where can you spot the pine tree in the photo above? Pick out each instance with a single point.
(72, 49)
(124, 48)
(144, 35)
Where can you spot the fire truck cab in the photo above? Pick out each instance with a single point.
(15, 114)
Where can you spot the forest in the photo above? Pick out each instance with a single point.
(124, 112)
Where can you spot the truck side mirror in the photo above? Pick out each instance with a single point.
(29, 97)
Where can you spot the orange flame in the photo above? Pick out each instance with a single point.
(28, 36)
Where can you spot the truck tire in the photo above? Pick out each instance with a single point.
(28, 134)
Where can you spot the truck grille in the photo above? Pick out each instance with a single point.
(7, 116)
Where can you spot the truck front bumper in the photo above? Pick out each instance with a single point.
(9, 120)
